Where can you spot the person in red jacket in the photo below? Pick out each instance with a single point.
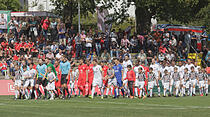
(131, 79)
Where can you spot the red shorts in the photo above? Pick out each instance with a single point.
(105, 82)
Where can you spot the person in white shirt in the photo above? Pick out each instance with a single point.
(126, 62)
(166, 81)
(17, 81)
(156, 71)
(88, 44)
(59, 55)
(32, 80)
(189, 65)
(98, 78)
(51, 82)
(26, 77)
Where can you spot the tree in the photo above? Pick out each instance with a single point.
(68, 9)
(13, 5)
(183, 11)
(40, 7)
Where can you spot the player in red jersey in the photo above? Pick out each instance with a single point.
(82, 76)
(90, 76)
(104, 68)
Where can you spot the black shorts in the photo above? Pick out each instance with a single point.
(63, 79)
(41, 82)
(44, 82)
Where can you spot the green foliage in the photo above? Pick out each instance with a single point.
(68, 9)
(13, 5)
(183, 11)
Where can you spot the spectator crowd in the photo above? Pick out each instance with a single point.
(35, 37)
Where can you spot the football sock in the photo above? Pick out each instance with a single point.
(164, 92)
(67, 91)
(170, 89)
(102, 92)
(45, 93)
(26, 93)
(16, 93)
(207, 91)
(158, 90)
(183, 91)
(111, 91)
(177, 90)
(188, 91)
(93, 91)
(140, 93)
(64, 92)
(150, 92)
(39, 92)
(136, 92)
(193, 90)
(123, 92)
(35, 94)
(52, 96)
(107, 91)
(117, 91)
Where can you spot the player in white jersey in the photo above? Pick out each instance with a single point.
(156, 71)
(176, 78)
(139, 83)
(73, 80)
(26, 76)
(200, 79)
(33, 73)
(151, 80)
(98, 78)
(196, 67)
(112, 81)
(207, 79)
(17, 80)
(193, 80)
(126, 62)
(51, 82)
(181, 68)
(185, 82)
(166, 80)
(189, 65)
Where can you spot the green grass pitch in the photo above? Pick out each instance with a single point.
(84, 107)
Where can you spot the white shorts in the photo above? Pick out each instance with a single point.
(139, 84)
(156, 83)
(17, 83)
(97, 82)
(201, 84)
(182, 82)
(150, 85)
(72, 85)
(112, 82)
(51, 86)
(29, 81)
(193, 82)
(166, 85)
(186, 84)
(177, 84)
(125, 82)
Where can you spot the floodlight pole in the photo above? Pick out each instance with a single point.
(79, 17)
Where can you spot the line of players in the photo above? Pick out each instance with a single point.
(131, 80)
